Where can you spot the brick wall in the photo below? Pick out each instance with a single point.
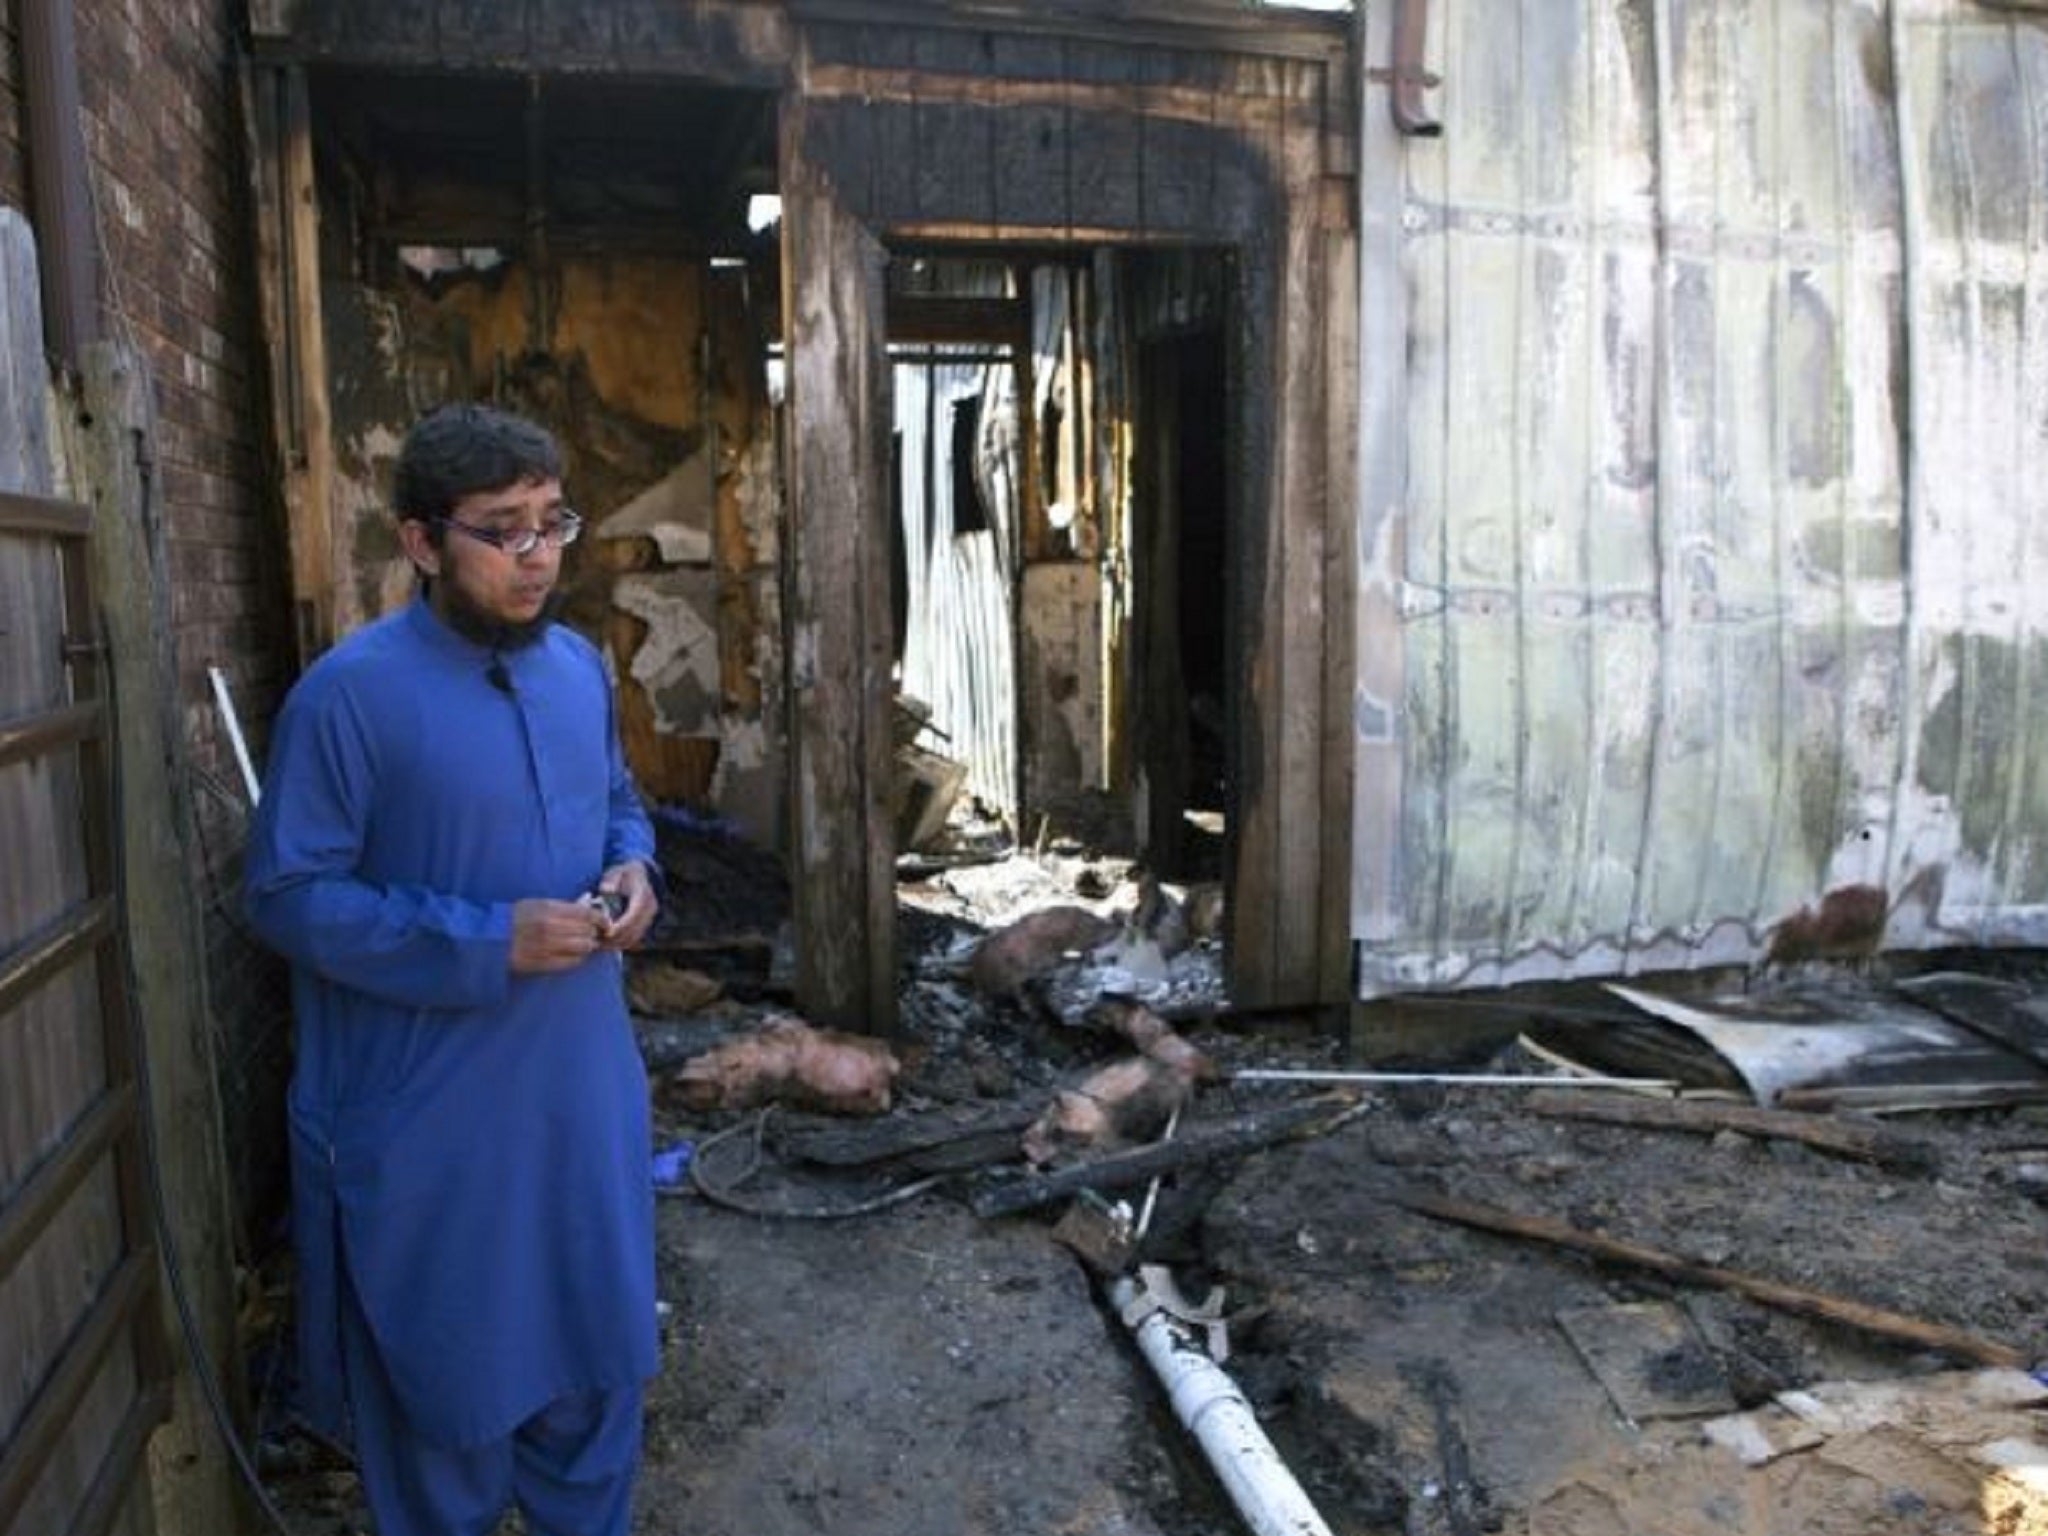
(164, 137)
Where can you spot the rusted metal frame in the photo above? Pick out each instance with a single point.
(58, 185)
(27, 967)
(120, 1470)
(98, 789)
(51, 731)
(44, 515)
(124, 1302)
(23, 1218)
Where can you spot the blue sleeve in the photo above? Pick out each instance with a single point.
(306, 897)
(628, 834)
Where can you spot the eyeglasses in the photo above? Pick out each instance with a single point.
(559, 534)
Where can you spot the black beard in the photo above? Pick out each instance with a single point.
(473, 624)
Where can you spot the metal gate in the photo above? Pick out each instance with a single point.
(83, 1364)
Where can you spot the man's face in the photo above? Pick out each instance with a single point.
(477, 587)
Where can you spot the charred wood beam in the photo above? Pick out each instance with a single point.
(1863, 1143)
(1222, 25)
(1787, 1298)
(1197, 1147)
(712, 42)
(933, 320)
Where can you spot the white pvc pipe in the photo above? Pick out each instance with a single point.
(234, 725)
(1450, 1079)
(1215, 1412)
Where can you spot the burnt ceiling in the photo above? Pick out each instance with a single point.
(503, 159)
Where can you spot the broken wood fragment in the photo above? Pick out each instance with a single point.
(1789, 1298)
(1196, 1146)
(1863, 1143)
(836, 1144)
(1905, 1098)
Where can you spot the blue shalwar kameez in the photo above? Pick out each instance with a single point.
(472, 1201)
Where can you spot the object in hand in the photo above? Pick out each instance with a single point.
(610, 905)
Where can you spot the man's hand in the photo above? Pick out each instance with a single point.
(630, 880)
(554, 935)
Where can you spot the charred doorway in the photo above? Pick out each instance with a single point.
(580, 249)
(1084, 138)
(1059, 473)
(1185, 596)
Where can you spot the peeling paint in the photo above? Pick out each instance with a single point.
(677, 663)
(675, 512)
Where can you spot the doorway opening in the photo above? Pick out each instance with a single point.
(1062, 489)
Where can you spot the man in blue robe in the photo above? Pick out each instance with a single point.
(472, 1197)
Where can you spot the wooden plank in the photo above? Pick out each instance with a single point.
(162, 912)
(1034, 159)
(277, 111)
(404, 26)
(1650, 1359)
(1789, 1298)
(98, 790)
(483, 31)
(53, 731)
(1178, 184)
(120, 1476)
(29, 1210)
(26, 967)
(1295, 618)
(1161, 103)
(44, 514)
(841, 746)
(1195, 32)
(954, 162)
(1339, 578)
(1843, 1138)
(572, 32)
(1107, 159)
(1196, 1147)
(930, 318)
(1253, 915)
(42, 1428)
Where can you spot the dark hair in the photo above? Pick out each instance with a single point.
(457, 450)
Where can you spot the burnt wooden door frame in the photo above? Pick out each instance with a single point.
(861, 146)
(837, 546)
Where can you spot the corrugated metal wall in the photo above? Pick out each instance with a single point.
(1704, 454)
(958, 650)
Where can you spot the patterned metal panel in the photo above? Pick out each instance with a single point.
(1702, 504)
